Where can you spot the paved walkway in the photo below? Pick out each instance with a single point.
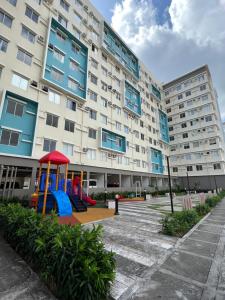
(17, 280)
(134, 237)
(195, 269)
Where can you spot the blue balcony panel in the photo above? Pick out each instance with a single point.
(132, 99)
(156, 160)
(112, 141)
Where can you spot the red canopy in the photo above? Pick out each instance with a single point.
(55, 157)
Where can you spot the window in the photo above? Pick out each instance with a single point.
(64, 5)
(185, 135)
(15, 108)
(103, 156)
(92, 133)
(181, 105)
(19, 81)
(63, 21)
(3, 44)
(77, 33)
(170, 119)
(95, 36)
(212, 141)
(168, 110)
(141, 123)
(104, 86)
(118, 96)
(104, 57)
(208, 118)
(188, 93)
(180, 96)
(54, 97)
(172, 138)
(119, 160)
(60, 36)
(72, 84)
(186, 146)
(126, 129)
(56, 75)
(77, 18)
(94, 49)
(92, 114)
(138, 163)
(104, 119)
(104, 71)
(195, 144)
(203, 87)
(49, 145)
(74, 65)
(118, 126)
(168, 101)
(94, 63)
(58, 55)
(103, 102)
(182, 115)
(68, 149)
(175, 169)
(52, 120)
(94, 79)
(117, 82)
(69, 125)
(126, 161)
(28, 34)
(5, 19)
(142, 137)
(30, 13)
(171, 128)
(72, 105)
(136, 134)
(183, 125)
(13, 2)
(137, 148)
(143, 150)
(189, 168)
(199, 168)
(24, 57)
(92, 95)
(91, 154)
(9, 137)
(216, 166)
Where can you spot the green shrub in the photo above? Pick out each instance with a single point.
(202, 209)
(24, 201)
(212, 201)
(71, 260)
(178, 223)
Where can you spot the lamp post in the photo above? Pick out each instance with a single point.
(105, 196)
(145, 194)
(171, 194)
(188, 183)
(116, 205)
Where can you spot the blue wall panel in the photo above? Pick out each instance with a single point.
(132, 99)
(66, 47)
(113, 141)
(163, 124)
(157, 161)
(120, 51)
(24, 124)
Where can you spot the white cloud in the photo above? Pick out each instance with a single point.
(197, 37)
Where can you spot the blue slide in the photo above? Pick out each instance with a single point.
(63, 203)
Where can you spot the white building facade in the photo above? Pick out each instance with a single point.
(70, 83)
(195, 129)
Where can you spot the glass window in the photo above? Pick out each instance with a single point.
(92, 114)
(65, 5)
(30, 13)
(54, 97)
(104, 119)
(13, 2)
(19, 81)
(69, 126)
(104, 86)
(56, 75)
(118, 126)
(15, 108)
(52, 120)
(77, 33)
(28, 34)
(93, 96)
(103, 102)
(91, 154)
(94, 79)
(5, 19)
(72, 84)
(68, 149)
(58, 55)
(63, 21)
(9, 137)
(126, 129)
(49, 145)
(71, 104)
(3, 44)
(24, 57)
(92, 133)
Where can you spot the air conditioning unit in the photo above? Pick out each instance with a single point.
(90, 41)
(114, 156)
(113, 90)
(83, 35)
(110, 73)
(109, 103)
(45, 88)
(109, 154)
(41, 38)
(109, 87)
(49, 1)
(85, 7)
(85, 150)
(87, 108)
(34, 83)
(91, 27)
(85, 21)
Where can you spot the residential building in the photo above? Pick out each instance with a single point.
(195, 130)
(70, 83)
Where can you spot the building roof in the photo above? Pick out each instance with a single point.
(55, 157)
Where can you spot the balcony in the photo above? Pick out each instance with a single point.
(132, 100)
(155, 92)
(112, 141)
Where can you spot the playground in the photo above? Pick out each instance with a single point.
(55, 191)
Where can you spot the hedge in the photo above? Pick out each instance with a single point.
(70, 259)
(179, 223)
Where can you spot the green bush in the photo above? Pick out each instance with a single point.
(178, 223)
(71, 260)
(24, 201)
(202, 209)
(212, 201)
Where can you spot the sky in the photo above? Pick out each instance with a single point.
(173, 37)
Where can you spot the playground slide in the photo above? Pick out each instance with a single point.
(63, 203)
(88, 199)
